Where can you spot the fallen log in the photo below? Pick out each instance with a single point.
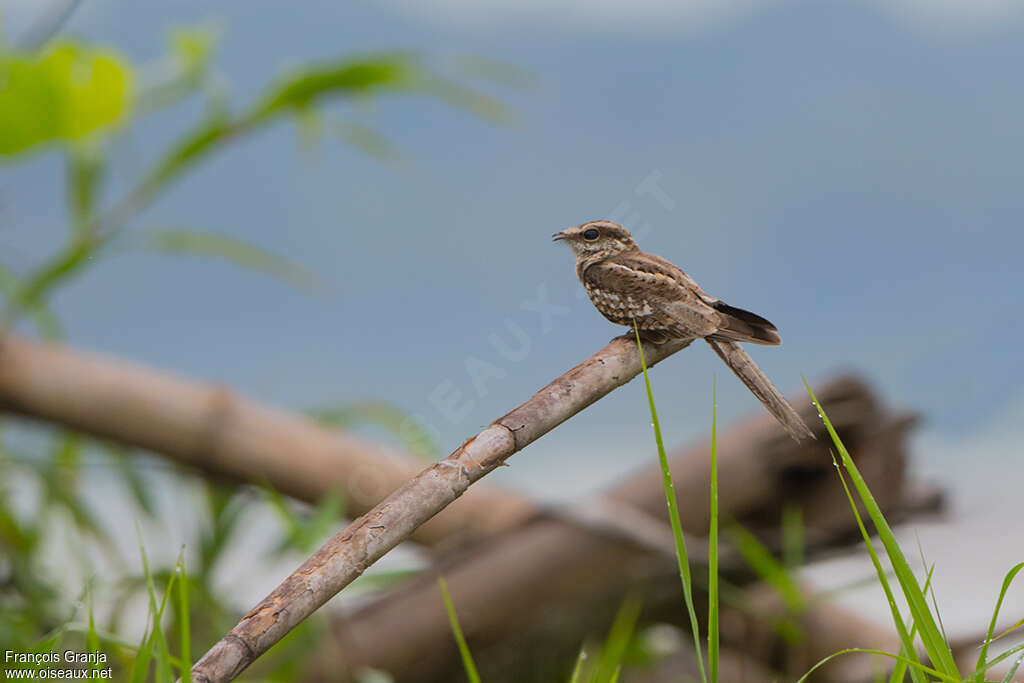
(213, 429)
(543, 587)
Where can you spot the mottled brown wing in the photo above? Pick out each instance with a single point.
(625, 290)
(734, 324)
(643, 261)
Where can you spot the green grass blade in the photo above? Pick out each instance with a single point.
(1010, 576)
(460, 639)
(157, 639)
(610, 661)
(906, 639)
(713, 544)
(92, 636)
(184, 628)
(673, 513)
(899, 671)
(577, 669)
(1019, 624)
(929, 590)
(937, 648)
(1013, 669)
(792, 536)
(1002, 657)
(915, 666)
(767, 568)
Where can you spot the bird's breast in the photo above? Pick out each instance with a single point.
(619, 307)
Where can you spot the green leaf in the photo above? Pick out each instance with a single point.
(235, 251)
(188, 71)
(194, 46)
(305, 87)
(30, 105)
(367, 141)
(43, 317)
(291, 94)
(470, 99)
(502, 73)
(97, 87)
(69, 92)
(460, 639)
(310, 129)
(85, 171)
(201, 139)
(64, 264)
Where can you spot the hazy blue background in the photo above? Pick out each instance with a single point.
(850, 170)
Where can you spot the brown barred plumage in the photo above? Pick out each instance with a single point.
(627, 285)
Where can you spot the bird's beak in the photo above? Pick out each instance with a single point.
(560, 235)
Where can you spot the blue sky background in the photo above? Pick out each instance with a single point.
(850, 170)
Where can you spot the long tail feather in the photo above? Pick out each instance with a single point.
(743, 365)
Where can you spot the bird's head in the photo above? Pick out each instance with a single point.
(596, 241)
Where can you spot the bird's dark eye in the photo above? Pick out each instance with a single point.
(590, 234)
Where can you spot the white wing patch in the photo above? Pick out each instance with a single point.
(643, 274)
(610, 300)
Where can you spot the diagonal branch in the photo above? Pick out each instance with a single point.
(350, 552)
(542, 587)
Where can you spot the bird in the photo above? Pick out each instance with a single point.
(629, 286)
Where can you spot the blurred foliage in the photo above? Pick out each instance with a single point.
(76, 100)
(184, 73)
(62, 95)
(235, 251)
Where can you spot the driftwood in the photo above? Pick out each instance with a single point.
(211, 428)
(544, 587)
(347, 555)
(549, 577)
